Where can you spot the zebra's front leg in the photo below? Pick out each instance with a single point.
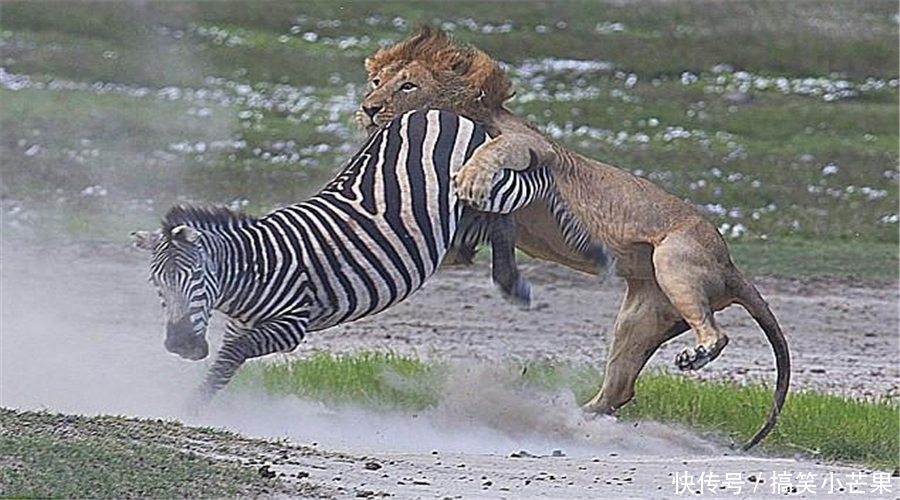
(278, 335)
(504, 270)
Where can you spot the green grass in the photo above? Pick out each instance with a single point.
(43, 455)
(374, 379)
(765, 171)
(824, 426)
(860, 261)
(827, 427)
(671, 37)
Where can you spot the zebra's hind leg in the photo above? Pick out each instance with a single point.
(504, 271)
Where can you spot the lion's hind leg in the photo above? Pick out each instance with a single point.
(689, 276)
(645, 321)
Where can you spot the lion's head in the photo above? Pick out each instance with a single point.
(429, 70)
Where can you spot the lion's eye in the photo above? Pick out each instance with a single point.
(408, 86)
(376, 82)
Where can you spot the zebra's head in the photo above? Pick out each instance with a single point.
(180, 269)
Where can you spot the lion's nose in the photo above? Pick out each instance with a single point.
(371, 111)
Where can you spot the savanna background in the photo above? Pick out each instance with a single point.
(778, 120)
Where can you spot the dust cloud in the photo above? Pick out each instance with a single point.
(483, 410)
(82, 333)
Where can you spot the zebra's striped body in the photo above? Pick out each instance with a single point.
(388, 218)
(365, 242)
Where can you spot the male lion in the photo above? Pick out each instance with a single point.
(676, 266)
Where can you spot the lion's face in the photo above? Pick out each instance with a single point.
(396, 89)
(429, 71)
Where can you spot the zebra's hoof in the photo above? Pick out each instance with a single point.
(520, 294)
(197, 401)
(603, 260)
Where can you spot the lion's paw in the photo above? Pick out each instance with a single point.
(700, 356)
(473, 186)
(692, 359)
(596, 409)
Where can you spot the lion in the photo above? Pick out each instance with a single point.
(676, 266)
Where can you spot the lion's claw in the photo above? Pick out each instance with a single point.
(473, 186)
(692, 359)
(700, 356)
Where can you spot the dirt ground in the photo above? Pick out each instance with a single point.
(82, 333)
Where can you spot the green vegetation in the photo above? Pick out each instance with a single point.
(383, 380)
(779, 121)
(61, 456)
(808, 38)
(825, 426)
(858, 261)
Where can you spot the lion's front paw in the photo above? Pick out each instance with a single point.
(473, 185)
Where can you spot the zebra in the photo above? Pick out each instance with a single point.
(365, 242)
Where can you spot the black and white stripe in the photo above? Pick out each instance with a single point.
(365, 242)
(513, 190)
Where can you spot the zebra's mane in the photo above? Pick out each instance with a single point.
(203, 217)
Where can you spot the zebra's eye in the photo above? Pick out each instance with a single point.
(408, 86)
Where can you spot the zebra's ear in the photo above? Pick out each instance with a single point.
(185, 233)
(145, 240)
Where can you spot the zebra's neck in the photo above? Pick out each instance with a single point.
(239, 266)
(219, 256)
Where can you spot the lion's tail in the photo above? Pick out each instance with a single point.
(748, 296)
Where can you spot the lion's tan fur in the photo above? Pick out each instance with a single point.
(676, 266)
(477, 83)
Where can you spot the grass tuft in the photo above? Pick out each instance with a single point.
(374, 379)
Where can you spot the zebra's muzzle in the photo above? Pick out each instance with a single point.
(182, 340)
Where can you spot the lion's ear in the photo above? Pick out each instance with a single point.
(370, 64)
(423, 33)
